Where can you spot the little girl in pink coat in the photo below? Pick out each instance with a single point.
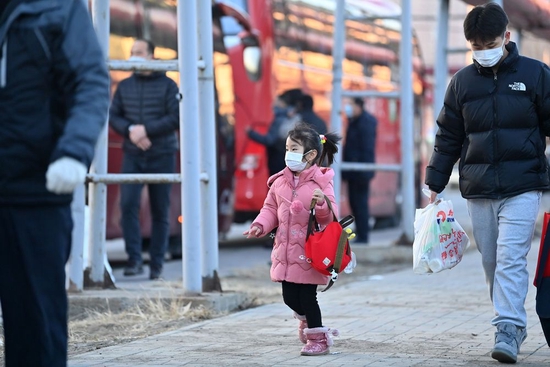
(287, 207)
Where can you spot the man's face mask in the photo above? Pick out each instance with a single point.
(294, 162)
(279, 110)
(348, 110)
(140, 59)
(491, 57)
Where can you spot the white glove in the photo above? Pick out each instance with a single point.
(64, 175)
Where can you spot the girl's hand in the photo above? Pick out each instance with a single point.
(253, 231)
(318, 196)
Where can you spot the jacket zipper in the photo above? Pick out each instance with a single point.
(495, 80)
(140, 102)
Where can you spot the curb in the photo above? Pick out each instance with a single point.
(120, 300)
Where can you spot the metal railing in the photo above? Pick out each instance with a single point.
(405, 94)
(198, 176)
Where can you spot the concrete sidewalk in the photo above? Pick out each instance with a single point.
(401, 319)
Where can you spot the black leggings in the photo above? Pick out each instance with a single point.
(302, 299)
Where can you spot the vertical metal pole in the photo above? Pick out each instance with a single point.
(76, 266)
(499, 2)
(407, 120)
(98, 191)
(208, 145)
(441, 64)
(190, 149)
(519, 39)
(78, 205)
(338, 51)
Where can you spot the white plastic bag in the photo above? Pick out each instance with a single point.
(439, 241)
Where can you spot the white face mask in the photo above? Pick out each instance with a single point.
(140, 59)
(348, 109)
(489, 58)
(137, 58)
(294, 161)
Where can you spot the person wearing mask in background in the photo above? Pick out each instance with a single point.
(359, 147)
(305, 109)
(145, 111)
(285, 117)
(495, 118)
(54, 98)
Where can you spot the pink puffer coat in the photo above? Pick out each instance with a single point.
(287, 206)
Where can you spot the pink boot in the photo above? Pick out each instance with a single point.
(301, 327)
(318, 341)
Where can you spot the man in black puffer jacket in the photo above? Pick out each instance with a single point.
(145, 111)
(495, 118)
(54, 97)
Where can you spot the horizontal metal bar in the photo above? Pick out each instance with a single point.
(371, 93)
(366, 19)
(357, 166)
(130, 178)
(156, 65)
(458, 50)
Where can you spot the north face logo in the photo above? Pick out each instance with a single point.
(519, 86)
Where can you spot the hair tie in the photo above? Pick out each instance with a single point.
(323, 139)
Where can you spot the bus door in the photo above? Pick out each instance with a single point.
(251, 104)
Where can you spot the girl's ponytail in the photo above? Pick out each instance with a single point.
(330, 148)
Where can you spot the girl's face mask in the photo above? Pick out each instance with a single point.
(294, 161)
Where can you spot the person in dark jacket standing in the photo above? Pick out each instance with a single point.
(54, 97)
(145, 111)
(359, 147)
(305, 109)
(285, 117)
(495, 118)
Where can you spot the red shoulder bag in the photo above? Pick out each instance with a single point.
(328, 250)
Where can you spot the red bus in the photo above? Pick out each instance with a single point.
(262, 48)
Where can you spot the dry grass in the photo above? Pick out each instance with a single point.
(96, 330)
(149, 317)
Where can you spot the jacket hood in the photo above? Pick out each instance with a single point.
(508, 63)
(321, 175)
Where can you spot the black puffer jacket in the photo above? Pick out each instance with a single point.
(496, 125)
(54, 95)
(149, 100)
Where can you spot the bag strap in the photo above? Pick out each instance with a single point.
(312, 224)
(544, 255)
(347, 220)
(337, 260)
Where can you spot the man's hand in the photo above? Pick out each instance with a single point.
(138, 136)
(144, 144)
(64, 175)
(433, 196)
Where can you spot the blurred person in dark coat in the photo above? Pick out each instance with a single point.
(309, 117)
(285, 117)
(359, 147)
(54, 98)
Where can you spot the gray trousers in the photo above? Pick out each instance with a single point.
(503, 231)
